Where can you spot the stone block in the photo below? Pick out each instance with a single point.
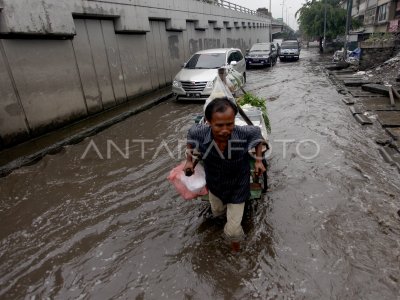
(217, 24)
(363, 120)
(228, 24)
(201, 24)
(376, 88)
(390, 155)
(356, 110)
(394, 132)
(348, 101)
(133, 19)
(355, 82)
(176, 25)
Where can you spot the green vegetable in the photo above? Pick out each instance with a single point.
(253, 100)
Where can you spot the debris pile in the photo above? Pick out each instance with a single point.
(387, 73)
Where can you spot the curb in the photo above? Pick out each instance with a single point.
(76, 138)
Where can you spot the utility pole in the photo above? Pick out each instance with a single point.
(283, 23)
(324, 42)
(348, 24)
(287, 17)
(270, 8)
(270, 27)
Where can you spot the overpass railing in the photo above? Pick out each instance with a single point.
(233, 6)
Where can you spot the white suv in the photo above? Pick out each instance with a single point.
(195, 80)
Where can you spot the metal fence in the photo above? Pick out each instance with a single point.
(233, 6)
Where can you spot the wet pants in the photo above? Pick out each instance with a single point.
(234, 214)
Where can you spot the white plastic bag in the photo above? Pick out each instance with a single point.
(235, 78)
(197, 181)
(177, 176)
(220, 90)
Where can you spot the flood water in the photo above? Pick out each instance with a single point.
(99, 220)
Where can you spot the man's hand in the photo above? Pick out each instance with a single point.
(189, 168)
(259, 168)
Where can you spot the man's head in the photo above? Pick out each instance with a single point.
(220, 114)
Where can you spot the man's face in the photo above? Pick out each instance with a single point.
(222, 124)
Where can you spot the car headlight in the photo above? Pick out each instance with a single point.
(210, 84)
(177, 83)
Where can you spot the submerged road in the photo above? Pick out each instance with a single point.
(99, 219)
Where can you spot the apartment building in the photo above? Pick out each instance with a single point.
(376, 16)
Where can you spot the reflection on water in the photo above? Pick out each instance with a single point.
(110, 225)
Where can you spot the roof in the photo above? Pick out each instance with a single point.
(216, 50)
(263, 43)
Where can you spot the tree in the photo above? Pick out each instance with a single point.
(311, 19)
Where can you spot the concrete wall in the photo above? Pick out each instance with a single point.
(61, 61)
(373, 55)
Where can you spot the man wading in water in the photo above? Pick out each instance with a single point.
(224, 149)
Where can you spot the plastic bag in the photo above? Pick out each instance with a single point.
(197, 181)
(220, 90)
(189, 187)
(235, 78)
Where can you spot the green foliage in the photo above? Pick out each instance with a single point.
(311, 18)
(380, 37)
(253, 100)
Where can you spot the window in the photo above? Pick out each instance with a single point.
(382, 13)
(206, 61)
(235, 56)
(239, 56)
(369, 17)
(231, 57)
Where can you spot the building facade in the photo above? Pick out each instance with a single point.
(377, 16)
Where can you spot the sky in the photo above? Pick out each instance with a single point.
(291, 6)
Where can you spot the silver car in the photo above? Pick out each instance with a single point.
(289, 50)
(195, 80)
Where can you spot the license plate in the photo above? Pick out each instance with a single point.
(255, 60)
(193, 95)
(290, 56)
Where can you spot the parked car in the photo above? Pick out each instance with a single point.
(262, 54)
(195, 80)
(289, 50)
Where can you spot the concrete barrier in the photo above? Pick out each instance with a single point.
(63, 60)
(375, 53)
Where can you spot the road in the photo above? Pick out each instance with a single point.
(99, 220)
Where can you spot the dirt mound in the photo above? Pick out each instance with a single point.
(388, 72)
